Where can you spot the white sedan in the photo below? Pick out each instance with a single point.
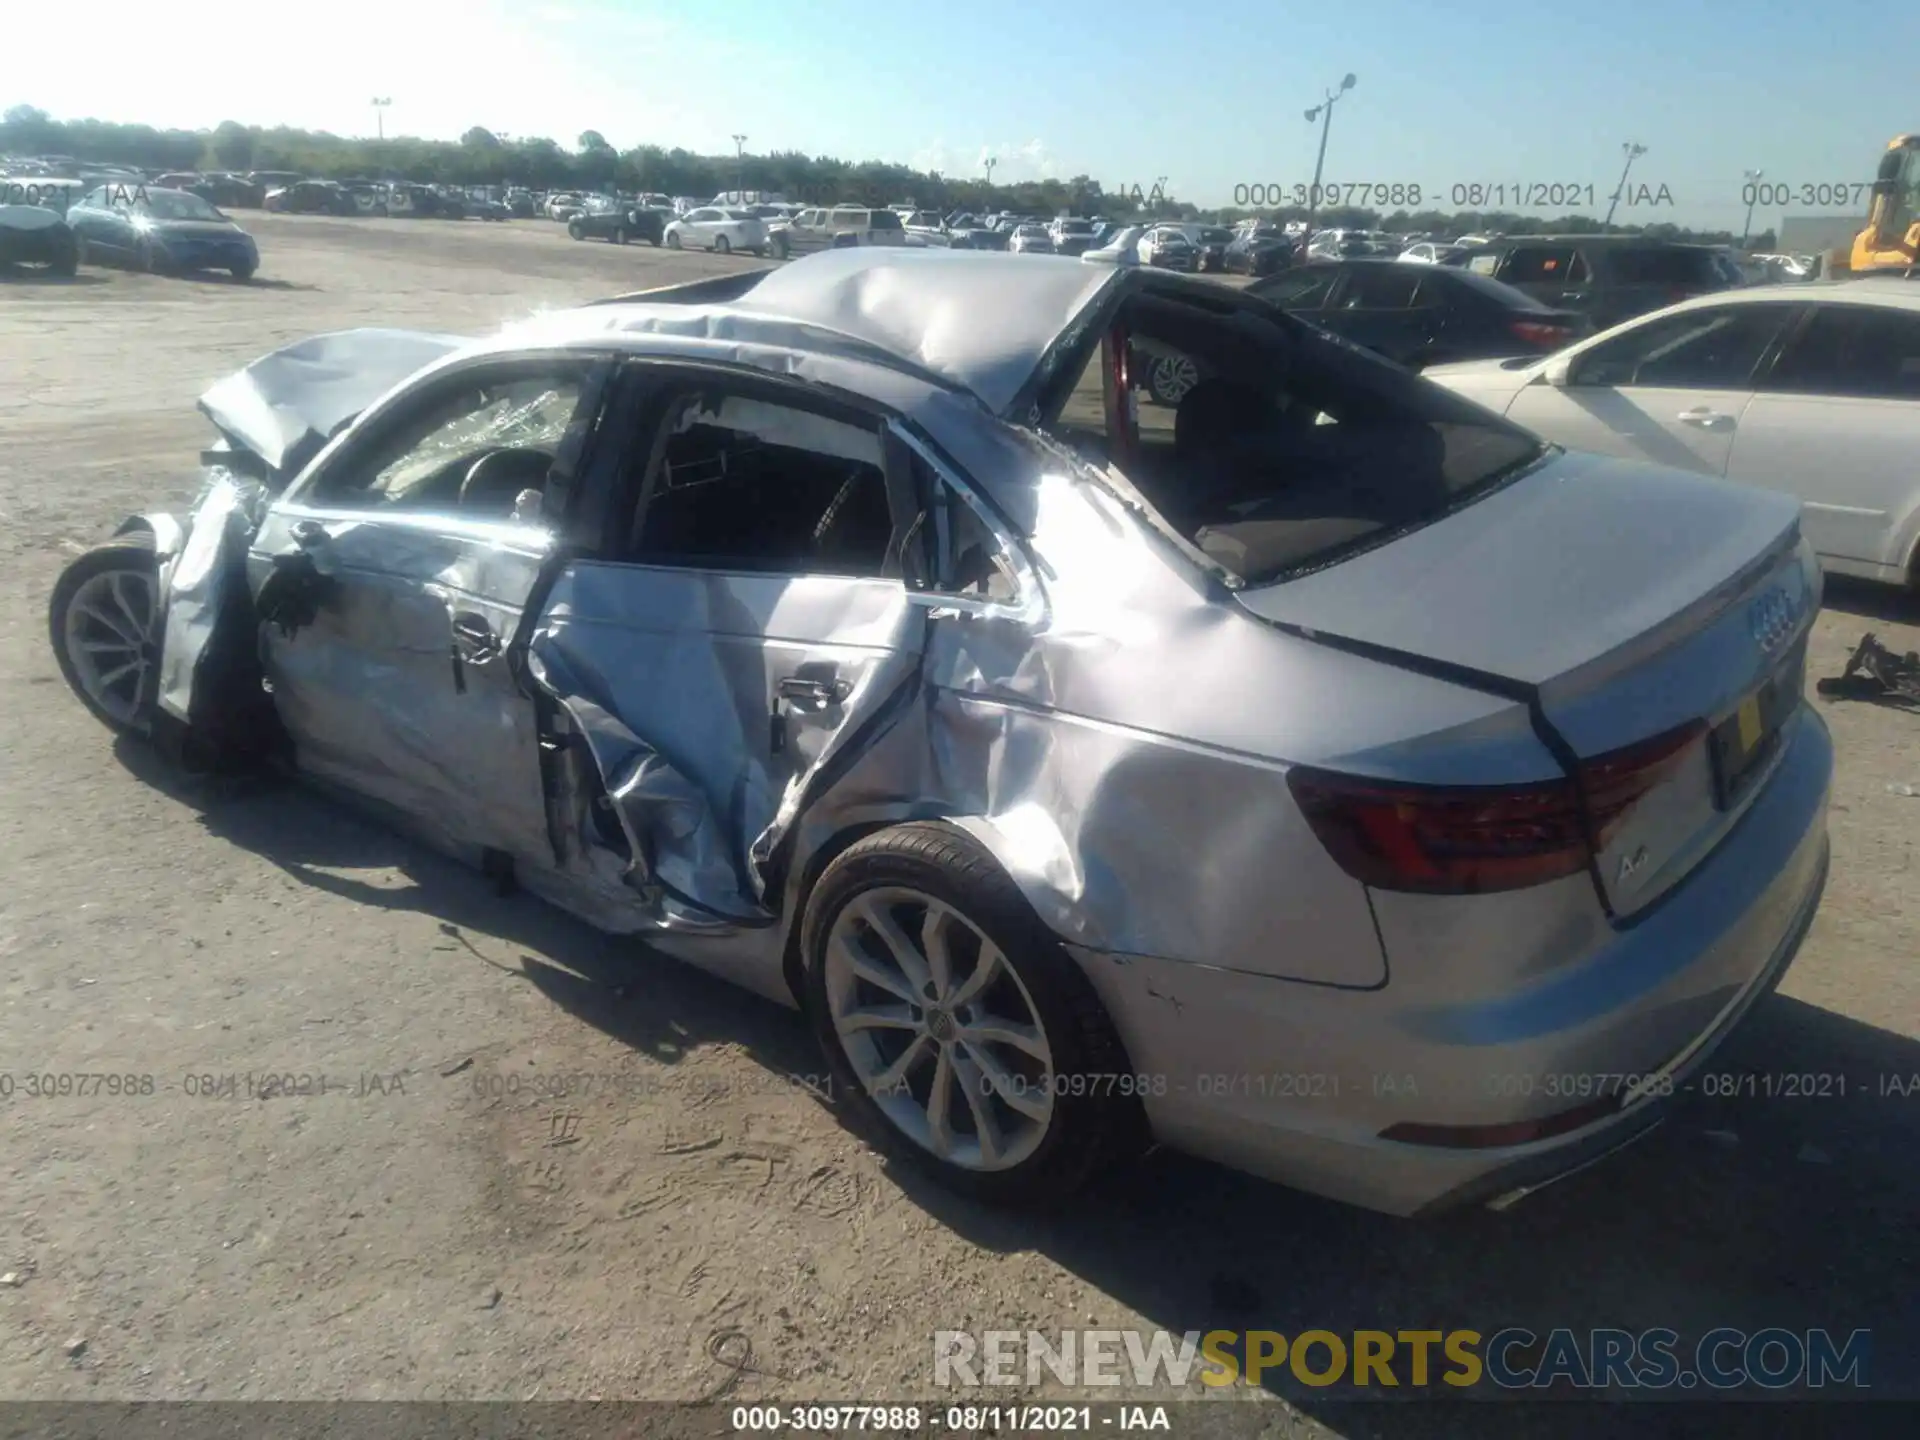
(1813, 391)
(718, 229)
(1031, 240)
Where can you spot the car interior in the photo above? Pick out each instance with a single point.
(1290, 449)
(742, 484)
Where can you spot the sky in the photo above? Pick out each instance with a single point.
(1126, 91)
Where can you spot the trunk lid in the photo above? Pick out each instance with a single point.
(1627, 604)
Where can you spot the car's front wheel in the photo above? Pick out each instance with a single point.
(100, 621)
(780, 247)
(956, 1025)
(673, 240)
(722, 245)
(575, 229)
(1170, 378)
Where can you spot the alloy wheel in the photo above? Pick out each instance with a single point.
(939, 1028)
(107, 628)
(1173, 377)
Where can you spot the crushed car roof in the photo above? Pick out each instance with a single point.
(978, 320)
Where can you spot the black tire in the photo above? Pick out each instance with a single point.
(145, 260)
(619, 234)
(779, 247)
(574, 229)
(673, 240)
(66, 258)
(722, 245)
(1086, 1133)
(128, 553)
(243, 273)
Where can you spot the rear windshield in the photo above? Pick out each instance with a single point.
(886, 220)
(1497, 291)
(1267, 445)
(1631, 266)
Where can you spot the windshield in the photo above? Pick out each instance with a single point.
(179, 205)
(1676, 266)
(886, 220)
(1268, 446)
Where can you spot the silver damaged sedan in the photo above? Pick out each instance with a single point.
(1321, 774)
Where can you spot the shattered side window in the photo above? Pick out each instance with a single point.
(425, 464)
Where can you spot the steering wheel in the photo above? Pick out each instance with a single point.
(496, 479)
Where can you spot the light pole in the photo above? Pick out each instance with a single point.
(380, 116)
(1633, 150)
(740, 166)
(1159, 196)
(1323, 112)
(1754, 178)
(992, 160)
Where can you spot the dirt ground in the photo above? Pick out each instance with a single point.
(442, 1225)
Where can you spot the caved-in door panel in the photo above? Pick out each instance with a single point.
(708, 699)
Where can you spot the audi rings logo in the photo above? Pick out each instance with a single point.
(1773, 618)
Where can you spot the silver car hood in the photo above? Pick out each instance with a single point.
(1570, 563)
(312, 387)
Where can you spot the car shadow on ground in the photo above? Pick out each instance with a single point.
(1886, 603)
(1779, 1194)
(23, 275)
(654, 1005)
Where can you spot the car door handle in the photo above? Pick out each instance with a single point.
(807, 690)
(1705, 419)
(474, 638)
(309, 533)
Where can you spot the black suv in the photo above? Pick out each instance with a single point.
(1608, 278)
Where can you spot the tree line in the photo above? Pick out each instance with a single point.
(486, 157)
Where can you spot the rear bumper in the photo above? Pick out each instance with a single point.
(1297, 1082)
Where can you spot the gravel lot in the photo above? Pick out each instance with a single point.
(454, 1232)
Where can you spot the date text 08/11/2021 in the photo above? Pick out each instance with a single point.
(1461, 195)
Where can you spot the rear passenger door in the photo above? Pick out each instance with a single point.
(744, 616)
(1555, 275)
(1376, 308)
(1837, 423)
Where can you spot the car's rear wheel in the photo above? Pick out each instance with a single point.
(956, 1025)
(66, 255)
(575, 229)
(1170, 378)
(619, 235)
(722, 245)
(100, 620)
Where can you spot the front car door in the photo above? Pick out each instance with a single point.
(1671, 390)
(391, 581)
(1837, 422)
(744, 617)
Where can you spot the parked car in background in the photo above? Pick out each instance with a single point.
(713, 228)
(1074, 709)
(1263, 250)
(1169, 247)
(1210, 243)
(369, 196)
(1608, 278)
(165, 231)
(622, 224)
(836, 228)
(1121, 248)
(520, 204)
(312, 197)
(1420, 315)
(34, 225)
(565, 205)
(1431, 252)
(1811, 390)
(482, 204)
(974, 232)
(1071, 235)
(270, 180)
(1031, 239)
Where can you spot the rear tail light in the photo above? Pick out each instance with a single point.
(1545, 336)
(1479, 839)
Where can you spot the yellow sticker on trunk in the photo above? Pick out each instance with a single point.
(1749, 722)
